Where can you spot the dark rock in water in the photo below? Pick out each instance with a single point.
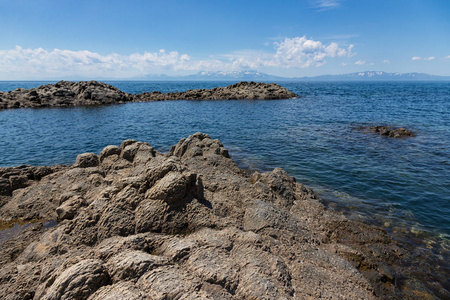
(138, 224)
(242, 90)
(65, 93)
(390, 131)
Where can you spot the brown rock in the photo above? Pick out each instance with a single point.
(79, 281)
(188, 224)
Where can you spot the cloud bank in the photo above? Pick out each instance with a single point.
(298, 52)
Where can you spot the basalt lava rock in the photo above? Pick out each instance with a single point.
(90, 93)
(135, 223)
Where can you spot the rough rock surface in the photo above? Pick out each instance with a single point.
(65, 93)
(188, 224)
(390, 131)
(242, 90)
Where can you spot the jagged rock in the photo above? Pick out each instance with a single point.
(188, 224)
(65, 93)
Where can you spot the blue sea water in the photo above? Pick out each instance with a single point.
(401, 184)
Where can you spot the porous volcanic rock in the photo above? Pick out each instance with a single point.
(66, 93)
(188, 224)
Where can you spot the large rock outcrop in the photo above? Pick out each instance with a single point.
(66, 93)
(189, 224)
(242, 90)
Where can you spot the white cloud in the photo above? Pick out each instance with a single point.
(344, 64)
(302, 52)
(298, 52)
(386, 61)
(67, 62)
(423, 58)
(372, 64)
(360, 62)
(323, 5)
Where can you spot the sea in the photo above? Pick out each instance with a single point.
(402, 185)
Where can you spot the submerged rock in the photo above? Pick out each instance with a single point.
(135, 223)
(66, 93)
(389, 131)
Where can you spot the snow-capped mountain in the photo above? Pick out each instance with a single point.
(233, 75)
(252, 75)
(376, 75)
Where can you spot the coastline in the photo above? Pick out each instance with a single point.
(279, 214)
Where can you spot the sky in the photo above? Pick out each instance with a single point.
(61, 39)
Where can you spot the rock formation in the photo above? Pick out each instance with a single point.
(65, 93)
(189, 224)
(242, 90)
(389, 131)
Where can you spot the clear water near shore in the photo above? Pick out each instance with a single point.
(401, 184)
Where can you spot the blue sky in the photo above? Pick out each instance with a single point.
(56, 39)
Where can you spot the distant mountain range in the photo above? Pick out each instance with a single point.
(375, 76)
(252, 75)
(249, 75)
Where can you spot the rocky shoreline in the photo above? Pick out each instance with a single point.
(134, 223)
(89, 93)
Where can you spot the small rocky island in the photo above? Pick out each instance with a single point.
(66, 93)
(133, 223)
(388, 131)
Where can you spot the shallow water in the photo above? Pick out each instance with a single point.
(401, 184)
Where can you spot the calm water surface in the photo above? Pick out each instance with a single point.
(402, 184)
